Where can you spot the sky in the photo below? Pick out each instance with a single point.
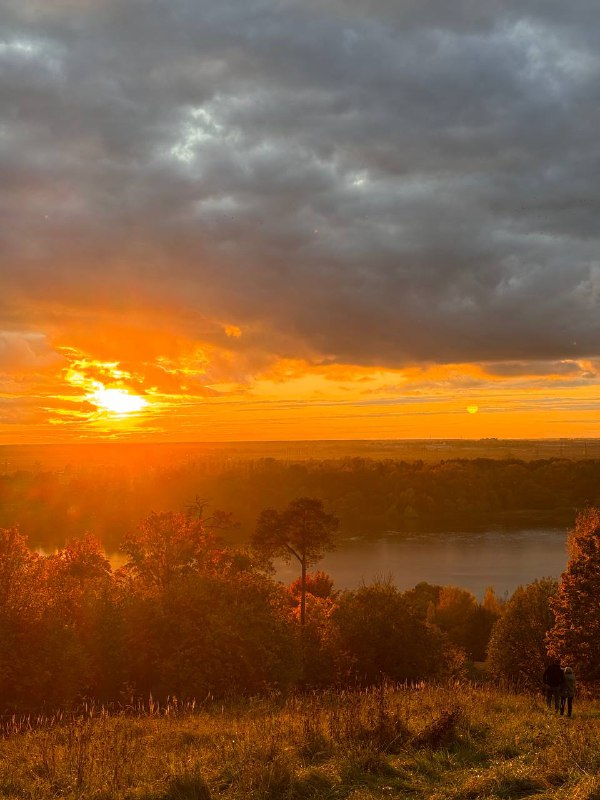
(291, 219)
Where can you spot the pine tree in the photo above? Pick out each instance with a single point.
(303, 531)
(575, 637)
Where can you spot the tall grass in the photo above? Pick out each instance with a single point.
(456, 742)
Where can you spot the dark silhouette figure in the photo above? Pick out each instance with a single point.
(554, 680)
(568, 692)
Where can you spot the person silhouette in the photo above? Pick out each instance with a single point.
(568, 692)
(554, 680)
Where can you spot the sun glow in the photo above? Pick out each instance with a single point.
(92, 377)
(117, 401)
(187, 392)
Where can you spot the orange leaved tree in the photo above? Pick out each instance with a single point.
(575, 637)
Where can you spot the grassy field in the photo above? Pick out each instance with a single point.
(451, 743)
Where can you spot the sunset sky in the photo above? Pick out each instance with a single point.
(291, 219)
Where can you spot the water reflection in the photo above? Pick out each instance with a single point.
(498, 558)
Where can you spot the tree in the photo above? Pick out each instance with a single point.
(466, 623)
(422, 598)
(167, 546)
(78, 627)
(517, 648)
(319, 584)
(210, 634)
(453, 612)
(22, 596)
(303, 531)
(379, 635)
(492, 603)
(575, 636)
(81, 561)
(17, 568)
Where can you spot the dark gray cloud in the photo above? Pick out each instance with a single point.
(369, 181)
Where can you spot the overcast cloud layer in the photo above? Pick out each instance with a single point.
(362, 181)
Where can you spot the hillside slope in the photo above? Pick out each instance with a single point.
(450, 743)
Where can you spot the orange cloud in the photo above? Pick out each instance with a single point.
(137, 383)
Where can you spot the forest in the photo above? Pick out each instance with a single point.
(368, 496)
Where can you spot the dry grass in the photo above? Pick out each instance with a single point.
(443, 743)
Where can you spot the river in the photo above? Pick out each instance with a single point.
(503, 559)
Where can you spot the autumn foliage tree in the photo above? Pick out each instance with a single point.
(167, 546)
(517, 648)
(200, 618)
(303, 531)
(76, 645)
(575, 636)
(318, 584)
(20, 584)
(59, 636)
(457, 613)
(17, 569)
(466, 622)
(378, 635)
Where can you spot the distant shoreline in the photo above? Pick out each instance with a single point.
(145, 455)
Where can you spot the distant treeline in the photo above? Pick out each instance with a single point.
(368, 496)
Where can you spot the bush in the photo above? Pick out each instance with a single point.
(379, 635)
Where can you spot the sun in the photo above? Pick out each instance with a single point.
(117, 401)
(473, 409)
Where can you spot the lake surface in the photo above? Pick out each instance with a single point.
(499, 558)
